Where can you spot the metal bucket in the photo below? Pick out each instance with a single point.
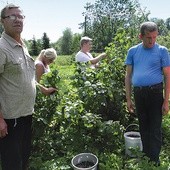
(84, 157)
(132, 140)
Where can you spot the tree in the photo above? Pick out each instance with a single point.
(34, 46)
(66, 42)
(76, 42)
(103, 19)
(162, 27)
(45, 41)
(164, 40)
(167, 23)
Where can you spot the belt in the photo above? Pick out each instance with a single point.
(155, 86)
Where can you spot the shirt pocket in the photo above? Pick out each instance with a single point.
(15, 66)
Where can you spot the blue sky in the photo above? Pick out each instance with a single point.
(54, 16)
(157, 8)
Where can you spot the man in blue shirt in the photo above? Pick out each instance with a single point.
(148, 71)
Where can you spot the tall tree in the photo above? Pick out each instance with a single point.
(76, 42)
(103, 19)
(66, 42)
(45, 41)
(34, 47)
(167, 23)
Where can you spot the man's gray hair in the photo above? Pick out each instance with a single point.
(148, 26)
(7, 7)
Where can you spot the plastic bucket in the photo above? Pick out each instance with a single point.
(132, 140)
(85, 161)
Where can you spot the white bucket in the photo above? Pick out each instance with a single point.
(84, 157)
(132, 140)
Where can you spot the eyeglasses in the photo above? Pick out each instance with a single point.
(14, 17)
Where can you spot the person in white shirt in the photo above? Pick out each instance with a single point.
(84, 54)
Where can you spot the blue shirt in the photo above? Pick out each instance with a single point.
(147, 64)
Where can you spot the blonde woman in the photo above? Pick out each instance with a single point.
(42, 62)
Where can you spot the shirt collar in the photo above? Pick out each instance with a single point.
(11, 41)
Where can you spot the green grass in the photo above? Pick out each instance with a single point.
(65, 66)
(65, 72)
(64, 60)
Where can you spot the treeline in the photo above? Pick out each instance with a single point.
(101, 22)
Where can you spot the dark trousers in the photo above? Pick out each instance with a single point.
(15, 147)
(148, 102)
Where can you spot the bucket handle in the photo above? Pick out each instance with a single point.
(130, 126)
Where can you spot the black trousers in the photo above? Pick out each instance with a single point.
(15, 147)
(148, 102)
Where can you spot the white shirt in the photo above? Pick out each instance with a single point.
(84, 57)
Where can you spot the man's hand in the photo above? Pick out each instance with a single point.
(165, 108)
(130, 106)
(48, 91)
(3, 128)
